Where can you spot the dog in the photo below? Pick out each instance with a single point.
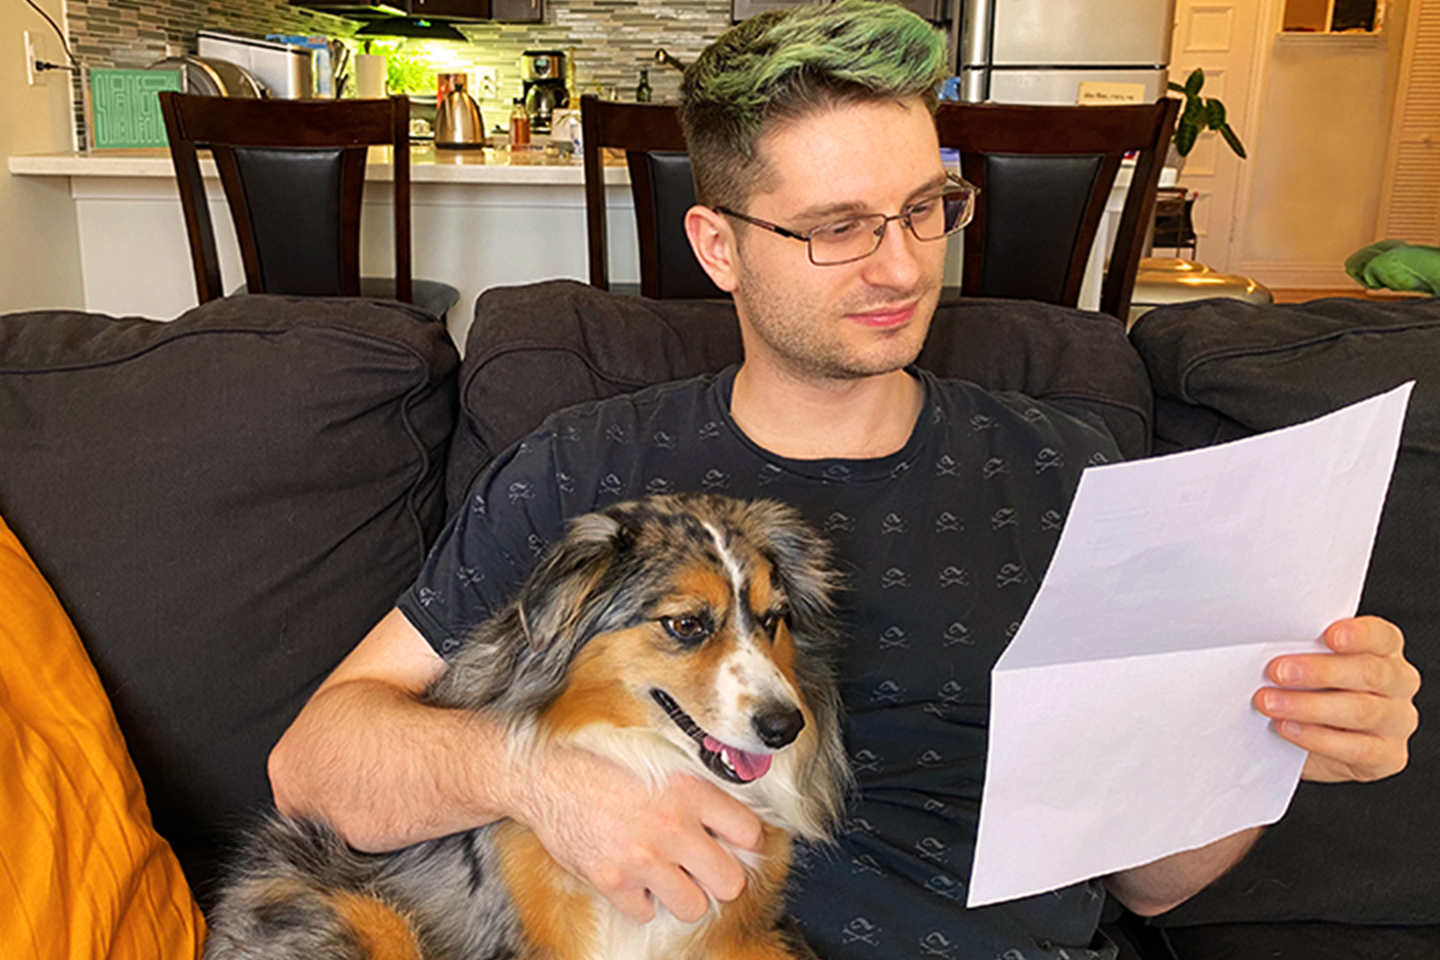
(674, 634)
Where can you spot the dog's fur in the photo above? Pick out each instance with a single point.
(654, 633)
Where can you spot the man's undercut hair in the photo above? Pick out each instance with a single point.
(785, 64)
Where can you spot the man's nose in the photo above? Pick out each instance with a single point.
(897, 262)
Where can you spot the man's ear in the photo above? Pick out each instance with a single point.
(713, 240)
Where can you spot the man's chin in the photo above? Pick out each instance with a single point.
(867, 364)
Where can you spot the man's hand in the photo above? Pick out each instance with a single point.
(1353, 710)
(636, 844)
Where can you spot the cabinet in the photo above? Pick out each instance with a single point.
(457, 10)
(936, 11)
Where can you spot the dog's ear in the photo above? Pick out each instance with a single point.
(800, 560)
(554, 599)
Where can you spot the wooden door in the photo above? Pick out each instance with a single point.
(1220, 36)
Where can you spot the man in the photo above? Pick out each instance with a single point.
(820, 184)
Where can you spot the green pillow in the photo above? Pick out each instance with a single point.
(1396, 265)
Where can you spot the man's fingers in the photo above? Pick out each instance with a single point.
(635, 904)
(1341, 710)
(679, 893)
(1365, 635)
(1389, 676)
(1352, 709)
(721, 814)
(713, 867)
(1339, 755)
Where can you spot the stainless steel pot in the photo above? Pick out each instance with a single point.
(457, 121)
(212, 77)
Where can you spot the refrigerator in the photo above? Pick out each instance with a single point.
(1050, 51)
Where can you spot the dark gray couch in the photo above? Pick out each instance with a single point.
(225, 503)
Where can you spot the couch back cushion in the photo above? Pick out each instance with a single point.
(535, 349)
(1365, 853)
(225, 504)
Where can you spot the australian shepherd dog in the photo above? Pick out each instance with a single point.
(673, 635)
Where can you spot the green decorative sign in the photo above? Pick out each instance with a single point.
(124, 108)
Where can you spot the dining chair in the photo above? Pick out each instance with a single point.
(1045, 174)
(293, 172)
(662, 189)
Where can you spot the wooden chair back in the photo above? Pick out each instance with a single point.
(1045, 174)
(662, 189)
(293, 172)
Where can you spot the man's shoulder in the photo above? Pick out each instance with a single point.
(965, 405)
(673, 397)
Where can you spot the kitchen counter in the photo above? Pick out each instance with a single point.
(479, 218)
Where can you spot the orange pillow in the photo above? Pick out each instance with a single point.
(82, 872)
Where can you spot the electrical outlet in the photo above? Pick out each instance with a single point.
(489, 82)
(34, 76)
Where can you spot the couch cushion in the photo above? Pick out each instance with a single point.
(535, 349)
(82, 871)
(1365, 853)
(225, 504)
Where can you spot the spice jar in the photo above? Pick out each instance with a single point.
(519, 125)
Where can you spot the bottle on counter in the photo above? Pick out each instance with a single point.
(519, 124)
(643, 92)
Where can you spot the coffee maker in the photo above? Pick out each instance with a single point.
(543, 86)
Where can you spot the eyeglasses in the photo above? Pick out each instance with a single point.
(855, 238)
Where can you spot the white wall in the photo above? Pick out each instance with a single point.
(39, 242)
(1318, 160)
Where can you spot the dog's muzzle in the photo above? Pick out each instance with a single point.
(776, 727)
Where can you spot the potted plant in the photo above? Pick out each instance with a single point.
(1201, 114)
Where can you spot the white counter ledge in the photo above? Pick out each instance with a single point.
(427, 165)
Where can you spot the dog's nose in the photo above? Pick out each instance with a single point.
(778, 724)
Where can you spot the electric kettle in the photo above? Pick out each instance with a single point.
(457, 123)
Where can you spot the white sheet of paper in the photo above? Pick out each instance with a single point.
(1121, 725)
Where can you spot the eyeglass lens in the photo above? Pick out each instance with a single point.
(861, 236)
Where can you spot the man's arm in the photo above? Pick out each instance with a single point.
(386, 771)
(1152, 889)
(1353, 709)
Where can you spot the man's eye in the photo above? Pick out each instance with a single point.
(839, 230)
(923, 209)
(686, 629)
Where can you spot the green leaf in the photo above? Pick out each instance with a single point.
(1214, 114)
(1233, 140)
(1194, 114)
(1185, 139)
(1178, 88)
(1194, 82)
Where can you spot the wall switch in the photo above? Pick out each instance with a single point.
(34, 76)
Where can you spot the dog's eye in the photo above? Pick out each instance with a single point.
(771, 622)
(686, 629)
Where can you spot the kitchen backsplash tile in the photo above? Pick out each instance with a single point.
(611, 40)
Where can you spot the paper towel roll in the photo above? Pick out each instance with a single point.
(369, 76)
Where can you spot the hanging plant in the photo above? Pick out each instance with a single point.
(1201, 114)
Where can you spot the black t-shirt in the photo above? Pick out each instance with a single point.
(943, 544)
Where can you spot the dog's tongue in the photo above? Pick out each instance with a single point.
(747, 766)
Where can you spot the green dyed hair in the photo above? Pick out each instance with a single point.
(782, 65)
